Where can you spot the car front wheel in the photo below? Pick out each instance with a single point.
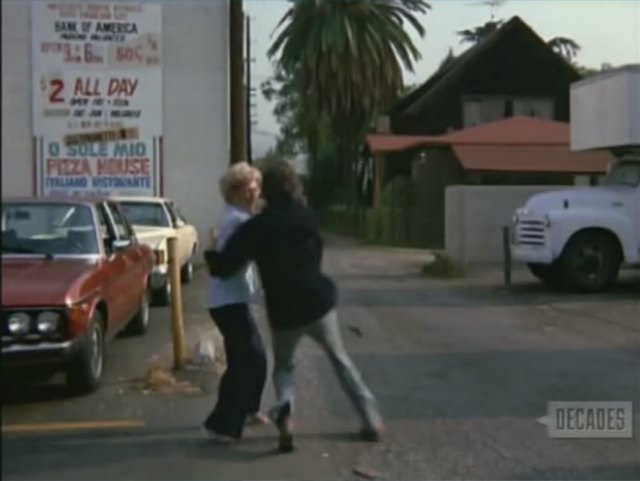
(186, 274)
(162, 295)
(87, 366)
(140, 322)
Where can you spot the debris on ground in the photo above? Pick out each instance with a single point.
(366, 473)
(161, 380)
(356, 330)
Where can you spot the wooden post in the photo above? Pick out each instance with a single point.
(236, 82)
(379, 172)
(177, 319)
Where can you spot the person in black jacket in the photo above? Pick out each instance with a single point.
(284, 241)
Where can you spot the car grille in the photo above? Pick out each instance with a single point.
(531, 233)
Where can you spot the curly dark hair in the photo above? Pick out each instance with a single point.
(279, 181)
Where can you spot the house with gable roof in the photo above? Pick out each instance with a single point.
(496, 115)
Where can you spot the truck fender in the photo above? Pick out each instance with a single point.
(569, 223)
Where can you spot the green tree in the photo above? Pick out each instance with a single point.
(302, 135)
(348, 56)
(288, 112)
(477, 34)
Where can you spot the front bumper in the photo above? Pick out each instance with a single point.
(42, 353)
(531, 254)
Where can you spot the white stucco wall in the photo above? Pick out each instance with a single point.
(17, 154)
(195, 105)
(475, 216)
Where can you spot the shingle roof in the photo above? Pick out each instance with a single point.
(531, 158)
(521, 144)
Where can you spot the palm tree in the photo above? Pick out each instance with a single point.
(564, 46)
(476, 34)
(348, 56)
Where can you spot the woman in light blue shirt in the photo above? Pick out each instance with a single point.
(229, 302)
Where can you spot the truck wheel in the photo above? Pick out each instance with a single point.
(140, 322)
(549, 274)
(591, 262)
(87, 366)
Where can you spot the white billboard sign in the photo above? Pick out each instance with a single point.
(97, 97)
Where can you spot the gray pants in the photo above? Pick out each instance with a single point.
(326, 332)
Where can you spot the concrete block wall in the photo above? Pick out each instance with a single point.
(474, 217)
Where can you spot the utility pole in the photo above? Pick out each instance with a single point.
(248, 91)
(236, 82)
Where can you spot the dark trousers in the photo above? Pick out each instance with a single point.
(242, 383)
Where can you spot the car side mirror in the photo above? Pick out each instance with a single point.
(120, 244)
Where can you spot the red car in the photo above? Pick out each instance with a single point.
(73, 276)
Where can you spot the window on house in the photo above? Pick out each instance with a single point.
(541, 108)
(472, 113)
(480, 110)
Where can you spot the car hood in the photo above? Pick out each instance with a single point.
(42, 282)
(153, 236)
(587, 197)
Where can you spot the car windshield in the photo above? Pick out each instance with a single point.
(146, 214)
(624, 173)
(48, 229)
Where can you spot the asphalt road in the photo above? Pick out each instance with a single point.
(463, 370)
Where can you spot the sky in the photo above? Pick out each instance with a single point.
(607, 30)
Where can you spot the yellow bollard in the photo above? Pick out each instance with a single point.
(177, 318)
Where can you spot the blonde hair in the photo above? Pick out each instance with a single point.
(238, 176)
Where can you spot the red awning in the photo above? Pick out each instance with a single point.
(531, 158)
(514, 131)
(386, 143)
(510, 131)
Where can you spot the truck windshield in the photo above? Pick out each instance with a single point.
(624, 173)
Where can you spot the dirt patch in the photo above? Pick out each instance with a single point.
(162, 380)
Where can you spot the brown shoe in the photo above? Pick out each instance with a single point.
(281, 418)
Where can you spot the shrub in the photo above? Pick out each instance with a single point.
(442, 267)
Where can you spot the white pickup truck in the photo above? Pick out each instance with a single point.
(580, 238)
(154, 220)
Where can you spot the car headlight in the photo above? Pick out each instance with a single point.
(48, 322)
(19, 323)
